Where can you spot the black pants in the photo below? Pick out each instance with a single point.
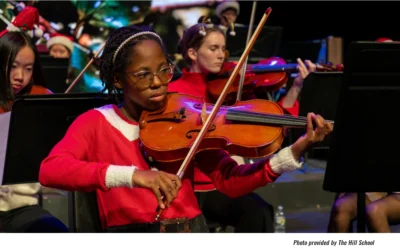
(247, 214)
(196, 225)
(30, 219)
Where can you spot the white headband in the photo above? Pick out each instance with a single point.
(132, 37)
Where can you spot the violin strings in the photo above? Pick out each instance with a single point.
(287, 118)
(246, 117)
(301, 118)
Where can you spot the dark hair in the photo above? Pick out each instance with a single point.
(193, 37)
(108, 69)
(10, 44)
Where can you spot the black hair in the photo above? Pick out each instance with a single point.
(108, 69)
(10, 44)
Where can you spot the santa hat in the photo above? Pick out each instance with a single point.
(67, 41)
(384, 40)
(226, 5)
(28, 21)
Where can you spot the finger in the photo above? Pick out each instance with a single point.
(310, 129)
(301, 64)
(303, 72)
(320, 121)
(311, 66)
(156, 191)
(171, 186)
(165, 189)
(175, 179)
(329, 126)
(321, 130)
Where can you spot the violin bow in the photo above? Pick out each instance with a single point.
(243, 72)
(219, 102)
(84, 70)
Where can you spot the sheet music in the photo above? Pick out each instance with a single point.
(4, 126)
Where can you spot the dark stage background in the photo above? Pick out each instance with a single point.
(351, 20)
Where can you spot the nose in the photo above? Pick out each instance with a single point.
(19, 74)
(221, 54)
(156, 82)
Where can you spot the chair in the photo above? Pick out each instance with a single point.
(83, 211)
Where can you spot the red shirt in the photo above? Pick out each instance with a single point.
(36, 90)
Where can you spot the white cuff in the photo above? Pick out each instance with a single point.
(119, 176)
(284, 161)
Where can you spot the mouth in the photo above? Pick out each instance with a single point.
(157, 97)
(16, 86)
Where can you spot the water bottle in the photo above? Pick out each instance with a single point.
(280, 220)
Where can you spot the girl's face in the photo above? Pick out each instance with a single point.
(209, 57)
(139, 84)
(22, 69)
(59, 51)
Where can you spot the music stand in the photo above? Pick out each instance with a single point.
(363, 155)
(37, 123)
(55, 72)
(292, 50)
(267, 44)
(320, 94)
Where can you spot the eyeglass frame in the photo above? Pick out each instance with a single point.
(151, 80)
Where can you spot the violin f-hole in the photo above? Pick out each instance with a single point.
(189, 136)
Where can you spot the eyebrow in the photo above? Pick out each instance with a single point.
(25, 64)
(148, 69)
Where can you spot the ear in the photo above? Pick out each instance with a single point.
(117, 83)
(192, 53)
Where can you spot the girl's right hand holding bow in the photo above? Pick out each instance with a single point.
(161, 183)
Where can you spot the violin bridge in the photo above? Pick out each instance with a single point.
(204, 113)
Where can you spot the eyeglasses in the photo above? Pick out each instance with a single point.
(145, 77)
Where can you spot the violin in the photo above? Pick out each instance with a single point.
(267, 76)
(167, 134)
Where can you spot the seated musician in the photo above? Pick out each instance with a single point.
(382, 209)
(101, 149)
(20, 74)
(60, 46)
(203, 49)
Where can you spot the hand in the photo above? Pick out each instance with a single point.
(303, 71)
(161, 183)
(312, 136)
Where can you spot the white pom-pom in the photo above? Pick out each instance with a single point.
(38, 33)
(232, 33)
(11, 27)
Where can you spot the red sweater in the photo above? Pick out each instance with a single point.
(100, 151)
(36, 90)
(194, 84)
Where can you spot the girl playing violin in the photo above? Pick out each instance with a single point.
(20, 74)
(203, 49)
(100, 151)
